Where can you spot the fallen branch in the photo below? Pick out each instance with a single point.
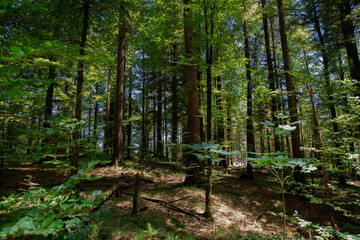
(174, 208)
(177, 200)
(119, 187)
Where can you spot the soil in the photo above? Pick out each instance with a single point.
(239, 205)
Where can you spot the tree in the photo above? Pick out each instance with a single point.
(250, 139)
(117, 156)
(291, 95)
(193, 123)
(80, 81)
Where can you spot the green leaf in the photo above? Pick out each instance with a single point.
(287, 127)
(25, 223)
(57, 224)
(268, 123)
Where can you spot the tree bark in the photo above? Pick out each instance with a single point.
(326, 61)
(291, 95)
(129, 126)
(271, 77)
(79, 84)
(209, 60)
(107, 130)
(193, 122)
(250, 142)
(96, 113)
(350, 44)
(159, 143)
(117, 156)
(174, 110)
(49, 97)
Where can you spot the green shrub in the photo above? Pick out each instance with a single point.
(59, 212)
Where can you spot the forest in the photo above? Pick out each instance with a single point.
(180, 119)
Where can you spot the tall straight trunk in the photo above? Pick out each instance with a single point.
(117, 156)
(154, 125)
(201, 118)
(90, 113)
(271, 76)
(79, 84)
(193, 122)
(348, 31)
(326, 60)
(143, 110)
(326, 71)
(220, 122)
(129, 126)
(250, 142)
(159, 144)
(49, 97)
(174, 110)
(107, 129)
(291, 95)
(96, 112)
(229, 130)
(209, 61)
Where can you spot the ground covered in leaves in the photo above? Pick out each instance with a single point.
(241, 207)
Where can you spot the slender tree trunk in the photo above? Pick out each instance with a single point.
(193, 122)
(209, 60)
(117, 156)
(159, 145)
(90, 113)
(79, 84)
(278, 85)
(174, 110)
(250, 142)
(107, 130)
(96, 113)
(129, 126)
(295, 134)
(271, 77)
(143, 111)
(201, 118)
(49, 97)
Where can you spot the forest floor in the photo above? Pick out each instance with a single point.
(240, 207)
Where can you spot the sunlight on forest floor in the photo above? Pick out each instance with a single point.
(239, 206)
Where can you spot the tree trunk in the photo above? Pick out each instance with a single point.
(107, 130)
(326, 61)
(291, 95)
(129, 126)
(174, 110)
(117, 156)
(79, 84)
(143, 111)
(159, 145)
(193, 122)
(250, 142)
(209, 60)
(96, 113)
(350, 44)
(49, 97)
(271, 77)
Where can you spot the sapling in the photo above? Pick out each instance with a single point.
(208, 151)
(277, 164)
